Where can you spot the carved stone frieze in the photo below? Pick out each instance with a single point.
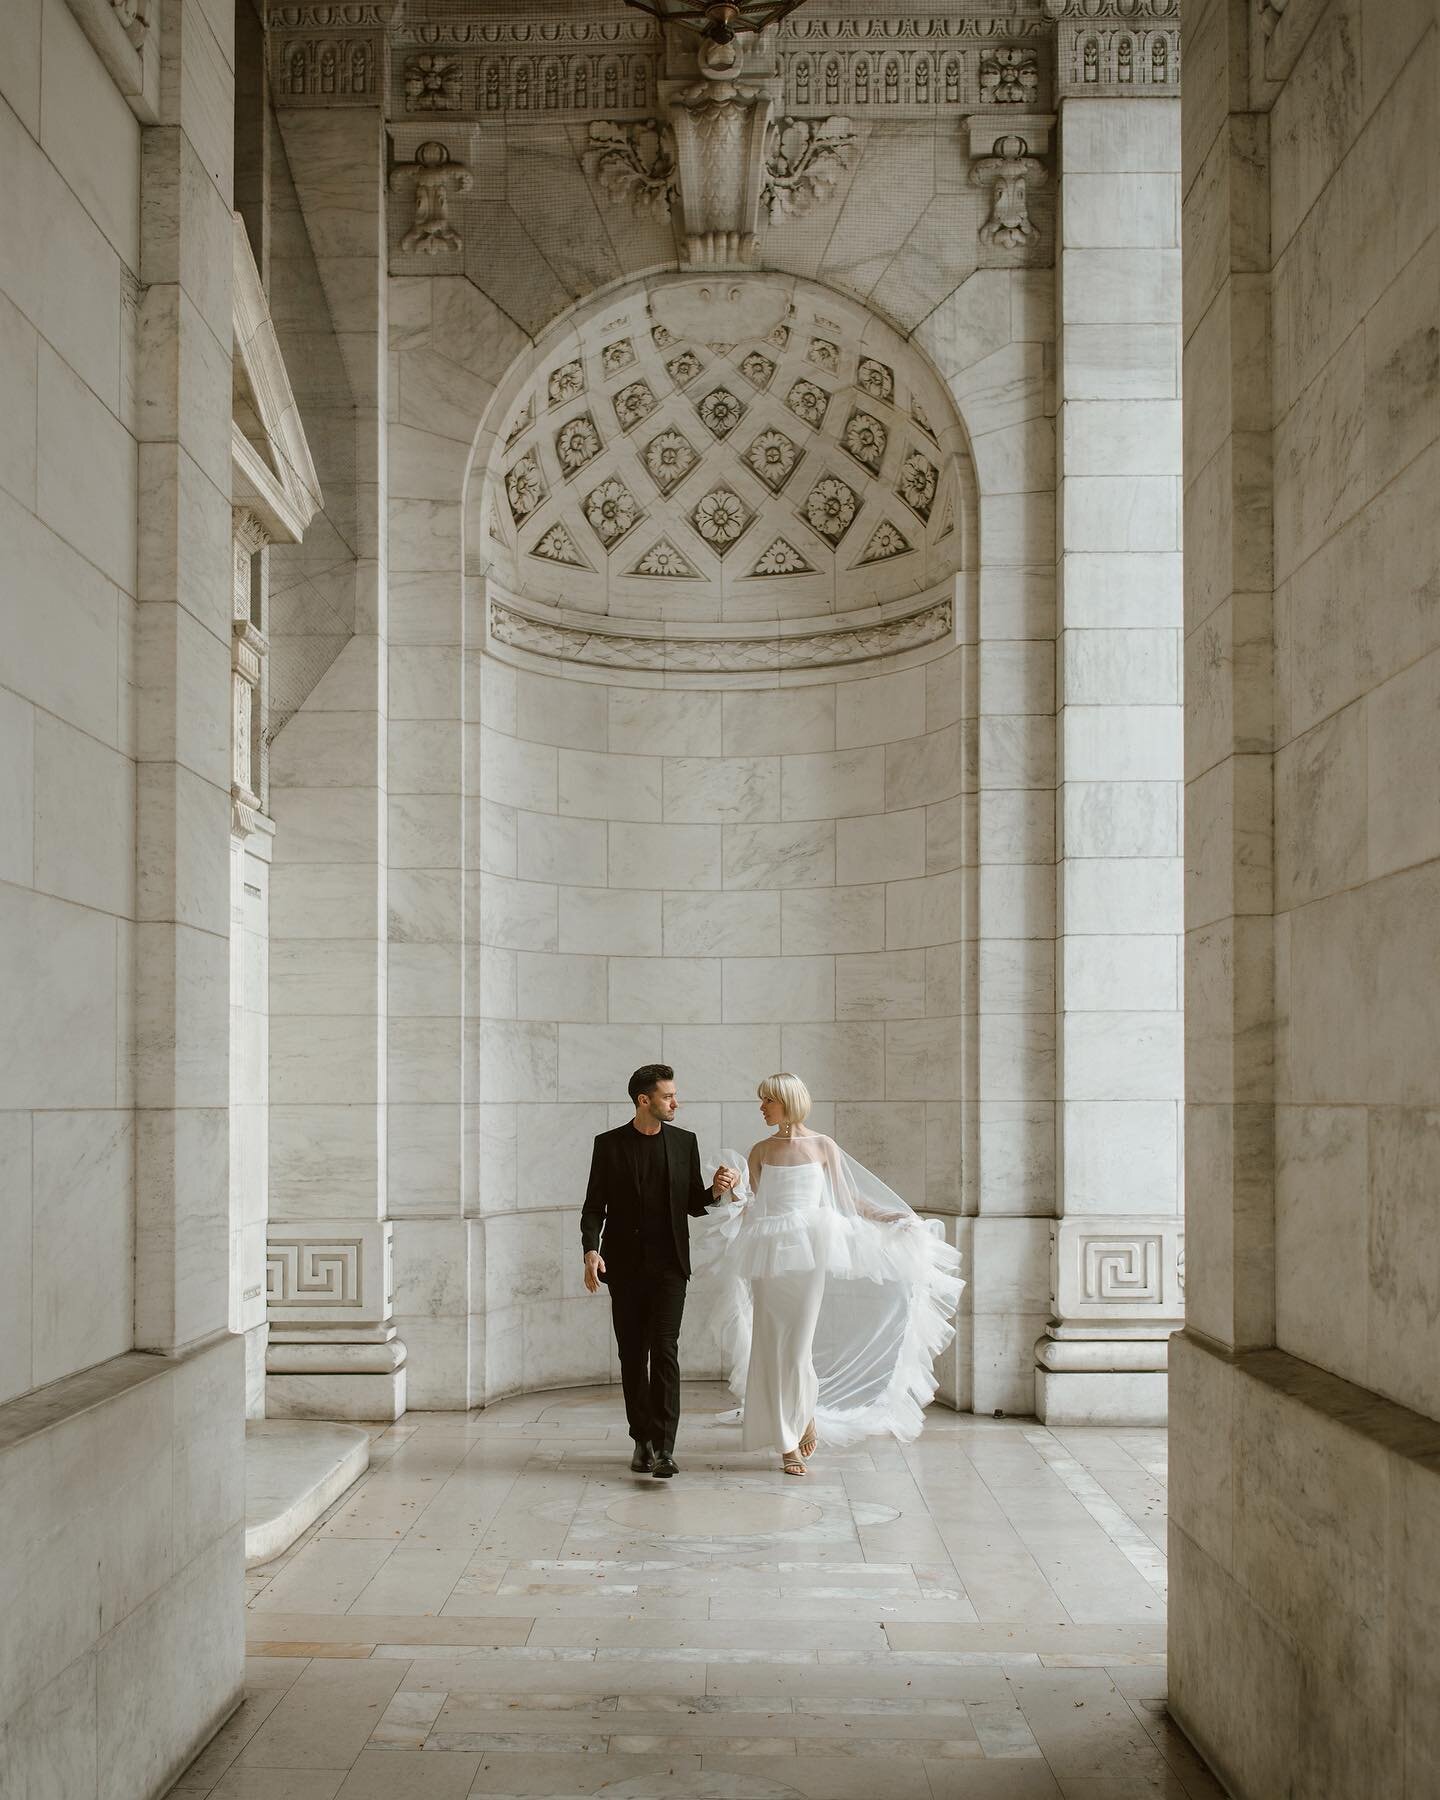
(432, 177)
(521, 67)
(1111, 48)
(326, 69)
(804, 161)
(738, 652)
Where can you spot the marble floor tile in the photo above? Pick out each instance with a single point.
(499, 1608)
(555, 1776)
(413, 1775)
(280, 1784)
(326, 1577)
(841, 1777)
(326, 1719)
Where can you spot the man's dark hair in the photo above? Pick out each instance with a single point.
(647, 1079)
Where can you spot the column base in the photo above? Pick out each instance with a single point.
(330, 1379)
(1103, 1375)
(1100, 1397)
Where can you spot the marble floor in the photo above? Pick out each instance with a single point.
(501, 1608)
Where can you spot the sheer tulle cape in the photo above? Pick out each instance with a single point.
(891, 1290)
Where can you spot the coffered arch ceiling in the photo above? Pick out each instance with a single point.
(645, 467)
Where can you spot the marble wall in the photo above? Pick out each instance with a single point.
(69, 485)
(1303, 1641)
(120, 1475)
(730, 881)
(477, 750)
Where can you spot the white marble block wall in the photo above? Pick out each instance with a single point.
(121, 1557)
(1306, 1405)
(733, 882)
(69, 254)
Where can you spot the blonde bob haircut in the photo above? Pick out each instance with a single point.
(791, 1093)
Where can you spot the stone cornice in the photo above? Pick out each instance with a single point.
(639, 645)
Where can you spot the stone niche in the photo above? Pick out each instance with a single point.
(720, 529)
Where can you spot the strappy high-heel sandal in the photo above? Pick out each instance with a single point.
(810, 1442)
(792, 1465)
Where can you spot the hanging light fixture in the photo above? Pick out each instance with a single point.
(721, 21)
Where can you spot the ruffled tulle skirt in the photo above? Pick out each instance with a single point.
(888, 1310)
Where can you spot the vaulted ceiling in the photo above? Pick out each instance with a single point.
(797, 472)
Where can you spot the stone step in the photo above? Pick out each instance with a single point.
(294, 1469)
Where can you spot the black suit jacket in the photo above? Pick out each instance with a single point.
(612, 1199)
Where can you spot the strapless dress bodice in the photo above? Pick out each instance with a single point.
(785, 1187)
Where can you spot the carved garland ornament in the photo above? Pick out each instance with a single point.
(720, 655)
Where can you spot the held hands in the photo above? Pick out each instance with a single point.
(726, 1181)
(594, 1269)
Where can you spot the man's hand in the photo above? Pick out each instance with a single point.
(725, 1180)
(594, 1269)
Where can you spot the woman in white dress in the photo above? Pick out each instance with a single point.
(845, 1296)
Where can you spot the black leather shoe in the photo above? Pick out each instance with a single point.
(665, 1466)
(643, 1460)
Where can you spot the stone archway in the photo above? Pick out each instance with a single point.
(722, 532)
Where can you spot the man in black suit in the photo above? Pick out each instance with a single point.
(645, 1186)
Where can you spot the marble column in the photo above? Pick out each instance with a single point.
(334, 1348)
(1116, 1242)
(183, 638)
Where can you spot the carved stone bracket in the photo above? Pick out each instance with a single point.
(804, 161)
(570, 638)
(432, 176)
(1009, 175)
(720, 123)
(1008, 147)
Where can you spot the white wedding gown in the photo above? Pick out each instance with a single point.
(832, 1296)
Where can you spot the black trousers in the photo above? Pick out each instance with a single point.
(646, 1310)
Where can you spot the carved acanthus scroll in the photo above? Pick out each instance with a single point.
(805, 159)
(635, 163)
